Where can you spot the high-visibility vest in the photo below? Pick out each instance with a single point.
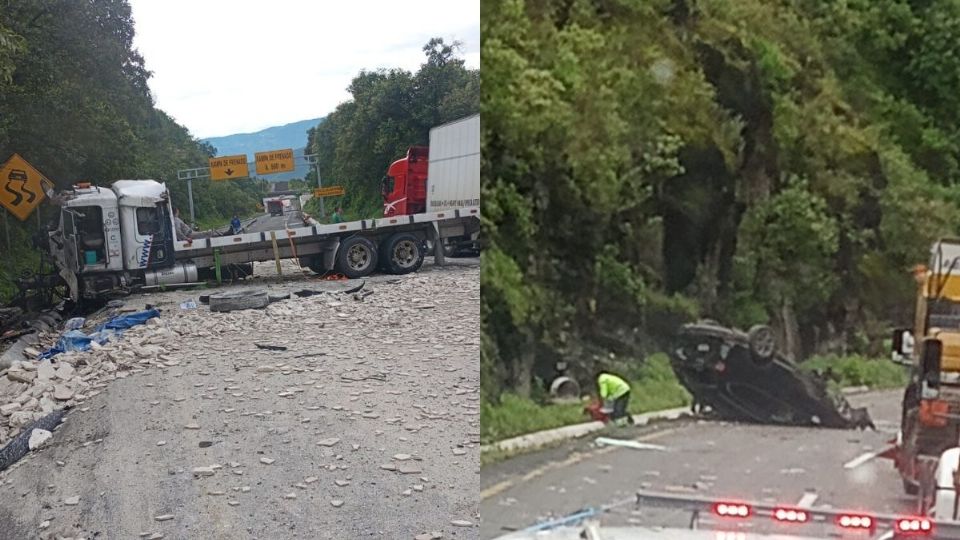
(611, 386)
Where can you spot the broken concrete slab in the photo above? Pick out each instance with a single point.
(38, 438)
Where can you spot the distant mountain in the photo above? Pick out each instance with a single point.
(293, 135)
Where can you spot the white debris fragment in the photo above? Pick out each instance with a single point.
(329, 441)
(266, 460)
(203, 471)
(38, 438)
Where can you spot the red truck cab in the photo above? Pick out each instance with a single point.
(404, 188)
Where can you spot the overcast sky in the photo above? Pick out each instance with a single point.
(232, 66)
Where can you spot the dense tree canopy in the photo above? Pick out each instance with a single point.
(389, 111)
(646, 163)
(74, 101)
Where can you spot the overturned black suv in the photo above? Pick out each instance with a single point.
(740, 376)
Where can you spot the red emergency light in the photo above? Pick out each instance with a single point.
(791, 515)
(914, 526)
(856, 521)
(731, 510)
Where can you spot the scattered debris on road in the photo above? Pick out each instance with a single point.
(606, 441)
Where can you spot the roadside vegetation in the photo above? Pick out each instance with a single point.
(655, 387)
(850, 371)
(646, 164)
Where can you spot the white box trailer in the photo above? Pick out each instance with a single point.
(453, 173)
(453, 179)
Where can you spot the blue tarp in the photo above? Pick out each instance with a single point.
(75, 340)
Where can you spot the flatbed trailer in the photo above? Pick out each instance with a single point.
(124, 237)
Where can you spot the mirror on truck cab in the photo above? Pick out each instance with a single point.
(902, 346)
(930, 368)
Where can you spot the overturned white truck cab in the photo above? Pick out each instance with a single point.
(122, 237)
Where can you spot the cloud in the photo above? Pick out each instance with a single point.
(229, 66)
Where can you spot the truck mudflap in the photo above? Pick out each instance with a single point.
(741, 377)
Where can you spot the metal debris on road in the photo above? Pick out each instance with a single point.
(270, 347)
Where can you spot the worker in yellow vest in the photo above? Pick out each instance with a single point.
(615, 393)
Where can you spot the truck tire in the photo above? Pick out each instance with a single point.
(233, 301)
(357, 257)
(315, 264)
(403, 254)
(763, 343)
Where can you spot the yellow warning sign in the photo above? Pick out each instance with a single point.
(229, 167)
(21, 187)
(331, 191)
(274, 161)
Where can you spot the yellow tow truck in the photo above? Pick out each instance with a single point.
(930, 418)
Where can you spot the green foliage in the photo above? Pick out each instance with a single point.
(647, 163)
(859, 371)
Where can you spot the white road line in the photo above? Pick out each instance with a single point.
(861, 459)
(886, 536)
(807, 500)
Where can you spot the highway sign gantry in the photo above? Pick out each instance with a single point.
(274, 161)
(229, 167)
(22, 187)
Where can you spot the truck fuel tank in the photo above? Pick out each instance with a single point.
(178, 273)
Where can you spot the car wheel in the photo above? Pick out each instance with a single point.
(763, 343)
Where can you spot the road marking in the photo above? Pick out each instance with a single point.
(861, 459)
(807, 500)
(886, 536)
(500, 487)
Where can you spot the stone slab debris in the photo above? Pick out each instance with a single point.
(38, 439)
(329, 441)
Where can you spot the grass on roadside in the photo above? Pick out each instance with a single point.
(653, 387)
(859, 371)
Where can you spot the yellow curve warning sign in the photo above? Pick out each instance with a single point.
(229, 167)
(274, 161)
(21, 187)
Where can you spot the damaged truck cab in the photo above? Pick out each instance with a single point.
(112, 238)
(930, 416)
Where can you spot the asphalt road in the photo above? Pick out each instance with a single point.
(266, 222)
(366, 426)
(711, 458)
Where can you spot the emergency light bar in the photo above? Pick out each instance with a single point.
(901, 526)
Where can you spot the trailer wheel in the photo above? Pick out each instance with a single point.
(357, 257)
(403, 254)
(315, 264)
